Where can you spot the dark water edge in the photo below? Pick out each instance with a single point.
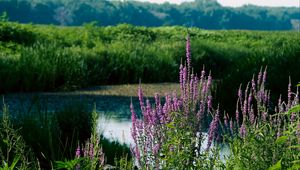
(116, 106)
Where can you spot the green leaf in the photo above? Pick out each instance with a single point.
(294, 146)
(296, 165)
(294, 109)
(16, 160)
(298, 85)
(170, 125)
(277, 166)
(281, 140)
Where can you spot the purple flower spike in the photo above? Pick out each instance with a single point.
(78, 152)
(252, 116)
(264, 76)
(209, 102)
(226, 120)
(253, 84)
(243, 131)
(188, 52)
(181, 77)
(202, 75)
(264, 116)
(237, 114)
(213, 129)
(195, 90)
(293, 117)
(91, 153)
(298, 132)
(231, 126)
(259, 78)
(289, 93)
(278, 133)
(156, 149)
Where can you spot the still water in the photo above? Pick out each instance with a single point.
(111, 102)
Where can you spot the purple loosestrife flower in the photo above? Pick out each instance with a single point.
(147, 113)
(209, 102)
(165, 109)
(213, 128)
(195, 90)
(298, 132)
(237, 113)
(278, 133)
(240, 94)
(168, 102)
(249, 102)
(264, 77)
(253, 84)
(184, 76)
(202, 76)
(78, 152)
(252, 116)
(181, 77)
(293, 117)
(259, 77)
(245, 102)
(200, 113)
(156, 149)
(243, 131)
(192, 87)
(245, 109)
(231, 126)
(175, 102)
(188, 52)
(91, 152)
(264, 116)
(268, 99)
(101, 157)
(289, 93)
(280, 107)
(209, 80)
(226, 120)
(203, 89)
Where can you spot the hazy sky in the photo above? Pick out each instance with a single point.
(236, 3)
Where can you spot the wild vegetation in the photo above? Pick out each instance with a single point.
(39, 139)
(47, 58)
(170, 134)
(207, 14)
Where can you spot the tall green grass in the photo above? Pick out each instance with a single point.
(64, 58)
(45, 137)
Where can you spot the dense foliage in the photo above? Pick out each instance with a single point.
(170, 134)
(37, 138)
(208, 14)
(43, 58)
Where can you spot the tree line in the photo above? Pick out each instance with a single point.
(206, 14)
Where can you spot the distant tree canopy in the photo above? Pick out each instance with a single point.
(207, 14)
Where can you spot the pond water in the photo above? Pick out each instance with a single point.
(112, 103)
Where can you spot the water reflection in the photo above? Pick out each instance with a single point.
(116, 129)
(114, 121)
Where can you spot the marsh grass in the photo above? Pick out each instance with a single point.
(53, 136)
(51, 58)
(14, 154)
